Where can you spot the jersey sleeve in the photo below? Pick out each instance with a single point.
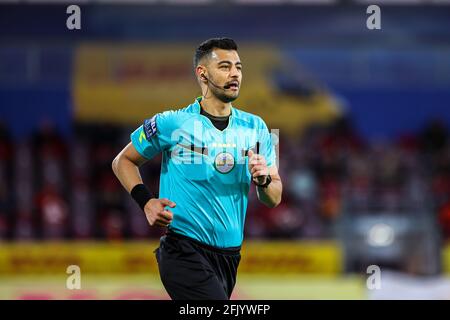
(266, 147)
(154, 135)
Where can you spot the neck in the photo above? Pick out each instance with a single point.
(215, 107)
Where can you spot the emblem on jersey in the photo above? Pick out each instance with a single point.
(150, 127)
(224, 162)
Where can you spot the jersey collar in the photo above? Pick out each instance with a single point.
(197, 106)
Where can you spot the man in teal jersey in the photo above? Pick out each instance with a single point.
(211, 154)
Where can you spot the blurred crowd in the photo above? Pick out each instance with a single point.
(331, 171)
(54, 187)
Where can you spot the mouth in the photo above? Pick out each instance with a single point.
(233, 85)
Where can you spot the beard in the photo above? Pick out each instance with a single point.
(223, 95)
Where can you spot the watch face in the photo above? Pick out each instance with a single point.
(268, 181)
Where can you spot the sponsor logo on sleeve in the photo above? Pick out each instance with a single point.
(150, 127)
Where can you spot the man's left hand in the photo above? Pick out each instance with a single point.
(258, 167)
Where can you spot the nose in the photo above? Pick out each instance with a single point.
(234, 73)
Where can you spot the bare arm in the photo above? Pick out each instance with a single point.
(270, 196)
(126, 168)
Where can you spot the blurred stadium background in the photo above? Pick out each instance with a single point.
(364, 120)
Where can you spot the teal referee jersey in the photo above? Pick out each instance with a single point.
(205, 170)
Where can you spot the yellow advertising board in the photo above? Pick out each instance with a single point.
(258, 257)
(291, 257)
(95, 257)
(446, 259)
(137, 257)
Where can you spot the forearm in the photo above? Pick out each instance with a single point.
(270, 196)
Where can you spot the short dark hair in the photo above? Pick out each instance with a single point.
(207, 47)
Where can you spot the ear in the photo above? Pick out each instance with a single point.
(200, 73)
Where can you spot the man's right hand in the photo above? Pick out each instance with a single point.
(156, 214)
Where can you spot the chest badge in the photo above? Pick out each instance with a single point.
(224, 162)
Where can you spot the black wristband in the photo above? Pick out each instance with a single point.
(141, 195)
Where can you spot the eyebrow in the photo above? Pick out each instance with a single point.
(228, 62)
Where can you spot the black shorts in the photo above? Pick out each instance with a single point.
(191, 270)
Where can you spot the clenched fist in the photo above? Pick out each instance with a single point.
(156, 213)
(258, 167)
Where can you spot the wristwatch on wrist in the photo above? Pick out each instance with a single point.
(266, 184)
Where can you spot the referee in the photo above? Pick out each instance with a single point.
(212, 152)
